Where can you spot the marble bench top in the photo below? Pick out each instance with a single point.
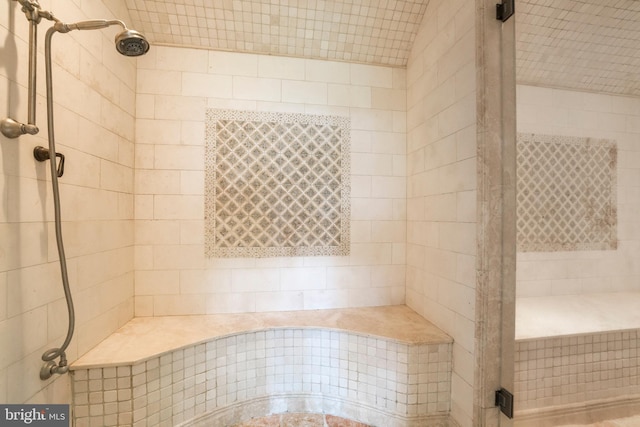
(146, 337)
(565, 315)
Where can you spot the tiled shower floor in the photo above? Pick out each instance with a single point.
(301, 420)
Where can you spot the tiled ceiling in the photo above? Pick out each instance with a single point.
(367, 31)
(591, 45)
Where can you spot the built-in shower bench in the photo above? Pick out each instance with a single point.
(380, 365)
(577, 359)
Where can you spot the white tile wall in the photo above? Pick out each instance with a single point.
(169, 182)
(441, 185)
(569, 113)
(404, 382)
(95, 106)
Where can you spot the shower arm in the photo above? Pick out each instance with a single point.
(34, 13)
(91, 24)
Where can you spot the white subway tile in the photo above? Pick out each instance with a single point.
(257, 89)
(157, 82)
(180, 157)
(348, 277)
(244, 302)
(177, 207)
(374, 76)
(255, 280)
(171, 305)
(182, 108)
(280, 67)
(145, 106)
(279, 301)
(233, 64)
(158, 282)
(156, 232)
(325, 299)
(327, 71)
(157, 131)
(205, 85)
(205, 281)
(179, 59)
(149, 181)
(302, 279)
(371, 209)
(304, 92)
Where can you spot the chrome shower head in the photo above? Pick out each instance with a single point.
(131, 43)
(128, 42)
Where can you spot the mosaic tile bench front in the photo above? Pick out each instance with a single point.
(231, 379)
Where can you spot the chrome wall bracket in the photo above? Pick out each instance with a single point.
(34, 14)
(12, 129)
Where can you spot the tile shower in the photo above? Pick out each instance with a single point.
(144, 224)
(140, 226)
(560, 366)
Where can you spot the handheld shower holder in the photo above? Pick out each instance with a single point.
(42, 154)
(50, 367)
(34, 14)
(12, 129)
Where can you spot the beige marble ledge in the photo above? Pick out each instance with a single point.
(566, 315)
(146, 337)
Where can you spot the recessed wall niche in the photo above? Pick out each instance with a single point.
(276, 184)
(566, 193)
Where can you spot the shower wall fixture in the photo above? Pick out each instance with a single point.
(566, 193)
(276, 184)
(128, 43)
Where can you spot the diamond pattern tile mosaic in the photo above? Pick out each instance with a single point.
(277, 184)
(566, 193)
(369, 31)
(590, 45)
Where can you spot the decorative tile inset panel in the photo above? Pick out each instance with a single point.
(566, 193)
(277, 184)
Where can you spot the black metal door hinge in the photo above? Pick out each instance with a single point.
(504, 399)
(505, 10)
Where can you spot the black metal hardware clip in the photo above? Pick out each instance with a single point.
(41, 154)
(505, 10)
(504, 399)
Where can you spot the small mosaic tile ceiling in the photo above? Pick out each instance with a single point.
(367, 31)
(590, 45)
